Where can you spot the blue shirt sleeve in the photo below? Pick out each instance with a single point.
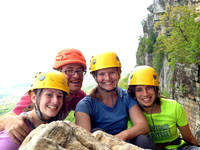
(131, 102)
(84, 106)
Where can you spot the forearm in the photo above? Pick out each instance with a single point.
(4, 119)
(83, 120)
(133, 132)
(187, 134)
(192, 140)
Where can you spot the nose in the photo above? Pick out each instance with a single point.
(145, 92)
(107, 76)
(55, 99)
(75, 74)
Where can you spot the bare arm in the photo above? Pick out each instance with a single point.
(140, 125)
(3, 119)
(83, 120)
(14, 125)
(187, 134)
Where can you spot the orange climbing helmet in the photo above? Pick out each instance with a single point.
(69, 56)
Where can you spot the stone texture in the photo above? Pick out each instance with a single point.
(182, 82)
(61, 135)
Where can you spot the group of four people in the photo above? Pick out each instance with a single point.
(106, 108)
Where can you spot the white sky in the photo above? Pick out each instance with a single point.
(33, 31)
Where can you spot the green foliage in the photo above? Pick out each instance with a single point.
(181, 87)
(146, 45)
(6, 106)
(71, 117)
(139, 53)
(165, 93)
(182, 35)
(88, 88)
(150, 41)
(123, 83)
(158, 60)
(198, 91)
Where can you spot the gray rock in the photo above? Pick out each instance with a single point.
(61, 135)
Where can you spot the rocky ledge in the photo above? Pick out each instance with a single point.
(62, 135)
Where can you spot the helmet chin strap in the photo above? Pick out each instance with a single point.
(154, 103)
(103, 89)
(37, 109)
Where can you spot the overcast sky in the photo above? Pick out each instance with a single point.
(33, 31)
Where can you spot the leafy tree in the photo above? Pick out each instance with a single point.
(182, 35)
(146, 45)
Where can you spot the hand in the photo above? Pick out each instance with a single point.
(122, 135)
(17, 128)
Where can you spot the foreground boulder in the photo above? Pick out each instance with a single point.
(62, 135)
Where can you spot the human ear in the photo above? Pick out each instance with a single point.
(33, 97)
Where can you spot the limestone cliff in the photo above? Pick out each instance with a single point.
(181, 82)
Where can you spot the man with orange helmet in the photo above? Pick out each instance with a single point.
(73, 64)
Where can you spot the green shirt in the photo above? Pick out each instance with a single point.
(163, 125)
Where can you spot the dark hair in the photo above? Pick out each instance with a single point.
(131, 92)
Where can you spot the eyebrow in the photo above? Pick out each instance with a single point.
(73, 67)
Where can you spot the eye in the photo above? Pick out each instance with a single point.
(101, 74)
(138, 89)
(149, 87)
(48, 94)
(69, 71)
(60, 96)
(79, 71)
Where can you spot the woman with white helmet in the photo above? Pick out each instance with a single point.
(165, 117)
(108, 107)
(47, 94)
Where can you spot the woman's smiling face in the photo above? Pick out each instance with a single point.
(108, 78)
(145, 94)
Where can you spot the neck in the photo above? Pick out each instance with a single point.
(108, 98)
(34, 118)
(155, 108)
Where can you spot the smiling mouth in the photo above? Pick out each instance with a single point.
(52, 107)
(75, 82)
(147, 100)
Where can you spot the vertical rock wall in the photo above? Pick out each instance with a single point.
(182, 83)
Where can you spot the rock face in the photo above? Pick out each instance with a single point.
(181, 83)
(61, 135)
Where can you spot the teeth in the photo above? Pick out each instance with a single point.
(108, 83)
(53, 107)
(74, 81)
(146, 99)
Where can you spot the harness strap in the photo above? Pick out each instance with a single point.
(161, 146)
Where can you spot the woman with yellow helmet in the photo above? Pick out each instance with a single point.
(72, 63)
(108, 107)
(164, 116)
(47, 94)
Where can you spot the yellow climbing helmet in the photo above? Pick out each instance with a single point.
(104, 60)
(52, 80)
(144, 75)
